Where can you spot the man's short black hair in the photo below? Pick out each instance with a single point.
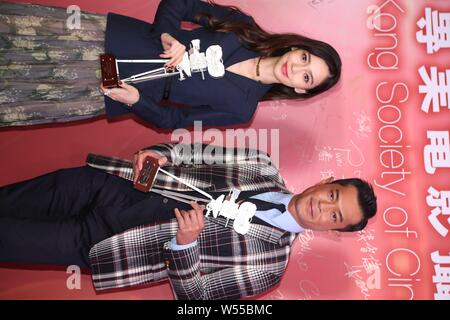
(367, 201)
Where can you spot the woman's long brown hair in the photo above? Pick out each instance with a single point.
(253, 37)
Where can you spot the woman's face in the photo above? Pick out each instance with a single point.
(301, 70)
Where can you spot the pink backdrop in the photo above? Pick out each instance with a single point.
(371, 125)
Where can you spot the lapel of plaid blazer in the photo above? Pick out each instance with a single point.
(258, 228)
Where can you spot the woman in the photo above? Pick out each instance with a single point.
(259, 66)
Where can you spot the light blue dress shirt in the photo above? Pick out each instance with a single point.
(273, 217)
(282, 220)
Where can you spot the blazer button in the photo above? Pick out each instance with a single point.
(165, 200)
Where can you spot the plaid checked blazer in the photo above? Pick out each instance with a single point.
(223, 264)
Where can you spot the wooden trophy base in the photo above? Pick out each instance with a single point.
(109, 71)
(147, 175)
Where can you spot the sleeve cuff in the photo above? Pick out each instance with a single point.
(174, 246)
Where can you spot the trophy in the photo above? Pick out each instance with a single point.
(193, 61)
(225, 206)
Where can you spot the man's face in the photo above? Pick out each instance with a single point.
(326, 206)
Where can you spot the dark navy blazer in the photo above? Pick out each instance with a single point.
(217, 102)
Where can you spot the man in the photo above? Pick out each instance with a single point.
(94, 219)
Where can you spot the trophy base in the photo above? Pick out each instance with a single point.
(147, 175)
(109, 71)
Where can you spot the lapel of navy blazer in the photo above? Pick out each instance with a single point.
(223, 264)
